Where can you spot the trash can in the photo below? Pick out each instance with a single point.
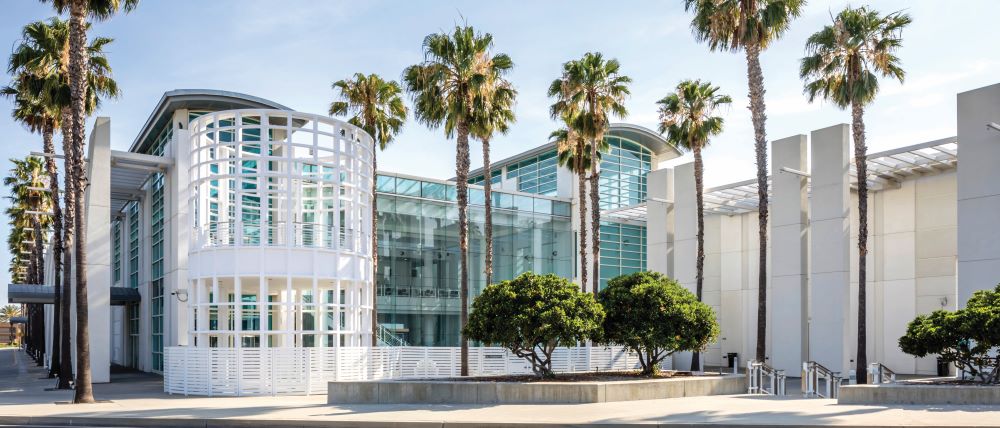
(732, 356)
(942, 367)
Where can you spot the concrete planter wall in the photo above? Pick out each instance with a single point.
(919, 394)
(472, 392)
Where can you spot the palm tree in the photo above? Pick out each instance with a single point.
(80, 11)
(376, 106)
(590, 90)
(496, 113)
(843, 63)
(446, 88)
(750, 26)
(24, 180)
(6, 314)
(688, 118)
(39, 115)
(573, 152)
(41, 64)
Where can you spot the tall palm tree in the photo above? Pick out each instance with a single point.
(496, 113)
(573, 153)
(446, 88)
(8, 312)
(688, 118)
(590, 90)
(80, 11)
(25, 178)
(750, 26)
(376, 106)
(843, 63)
(41, 63)
(39, 115)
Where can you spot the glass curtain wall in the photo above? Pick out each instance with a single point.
(418, 269)
(623, 173)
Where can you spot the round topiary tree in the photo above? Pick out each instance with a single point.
(968, 337)
(655, 317)
(532, 315)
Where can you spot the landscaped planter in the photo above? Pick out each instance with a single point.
(919, 394)
(487, 392)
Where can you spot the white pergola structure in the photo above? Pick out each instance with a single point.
(280, 247)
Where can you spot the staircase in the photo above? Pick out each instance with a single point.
(387, 338)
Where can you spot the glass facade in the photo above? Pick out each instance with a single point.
(536, 175)
(116, 251)
(497, 175)
(623, 173)
(133, 244)
(156, 222)
(418, 269)
(623, 250)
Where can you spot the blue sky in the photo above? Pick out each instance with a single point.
(291, 51)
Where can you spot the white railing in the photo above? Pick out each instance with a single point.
(812, 374)
(765, 379)
(302, 371)
(386, 337)
(275, 234)
(879, 374)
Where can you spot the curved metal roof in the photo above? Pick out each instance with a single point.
(647, 137)
(197, 99)
(640, 134)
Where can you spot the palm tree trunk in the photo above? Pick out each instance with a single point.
(699, 173)
(462, 188)
(48, 146)
(78, 81)
(488, 223)
(582, 180)
(374, 244)
(861, 163)
(755, 77)
(595, 211)
(69, 217)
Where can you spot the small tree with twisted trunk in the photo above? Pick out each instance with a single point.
(532, 315)
(655, 317)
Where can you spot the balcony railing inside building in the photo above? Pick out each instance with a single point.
(278, 234)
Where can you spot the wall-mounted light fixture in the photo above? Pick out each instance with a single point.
(992, 126)
(181, 295)
(788, 170)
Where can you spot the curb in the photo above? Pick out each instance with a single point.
(82, 421)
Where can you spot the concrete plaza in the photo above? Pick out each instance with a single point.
(136, 399)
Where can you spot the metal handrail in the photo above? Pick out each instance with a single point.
(758, 372)
(388, 338)
(879, 374)
(812, 373)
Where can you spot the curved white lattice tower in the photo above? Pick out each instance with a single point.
(280, 253)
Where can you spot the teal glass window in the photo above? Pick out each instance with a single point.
(623, 173)
(623, 250)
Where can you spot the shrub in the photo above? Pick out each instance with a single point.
(532, 315)
(969, 337)
(655, 317)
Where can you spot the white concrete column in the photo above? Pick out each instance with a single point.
(97, 201)
(660, 221)
(178, 226)
(685, 238)
(978, 191)
(789, 250)
(829, 299)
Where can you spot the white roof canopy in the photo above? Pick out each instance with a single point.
(886, 170)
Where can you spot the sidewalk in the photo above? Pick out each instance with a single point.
(137, 400)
